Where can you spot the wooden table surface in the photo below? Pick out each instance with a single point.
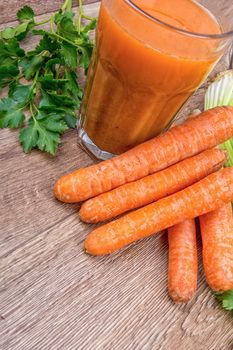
(53, 296)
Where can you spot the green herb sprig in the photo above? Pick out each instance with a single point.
(43, 91)
(226, 299)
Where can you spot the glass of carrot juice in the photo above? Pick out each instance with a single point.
(150, 57)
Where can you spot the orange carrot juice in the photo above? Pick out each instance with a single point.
(143, 70)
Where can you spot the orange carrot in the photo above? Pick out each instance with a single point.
(151, 188)
(182, 261)
(206, 195)
(217, 239)
(197, 134)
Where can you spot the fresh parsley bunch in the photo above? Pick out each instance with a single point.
(43, 91)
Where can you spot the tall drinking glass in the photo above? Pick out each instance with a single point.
(150, 56)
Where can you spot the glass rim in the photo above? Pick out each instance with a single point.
(224, 35)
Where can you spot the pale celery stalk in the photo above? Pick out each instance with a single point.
(220, 93)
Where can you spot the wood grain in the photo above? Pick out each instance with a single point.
(8, 9)
(54, 297)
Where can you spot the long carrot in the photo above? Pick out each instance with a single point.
(182, 261)
(194, 136)
(206, 195)
(217, 239)
(151, 188)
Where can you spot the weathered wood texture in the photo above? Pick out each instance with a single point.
(54, 297)
(8, 9)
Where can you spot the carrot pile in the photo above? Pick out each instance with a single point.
(169, 180)
(153, 187)
(194, 136)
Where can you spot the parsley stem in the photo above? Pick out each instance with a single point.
(33, 85)
(67, 6)
(80, 3)
(63, 39)
(35, 107)
(35, 78)
(40, 23)
(52, 24)
(87, 17)
(31, 110)
(31, 107)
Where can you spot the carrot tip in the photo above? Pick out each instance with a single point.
(86, 251)
(85, 219)
(183, 297)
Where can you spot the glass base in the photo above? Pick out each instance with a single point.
(88, 146)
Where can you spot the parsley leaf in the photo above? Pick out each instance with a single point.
(22, 94)
(69, 54)
(226, 299)
(8, 33)
(25, 13)
(89, 27)
(26, 17)
(60, 100)
(85, 56)
(7, 74)
(20, 31)
(65, 25)
(49, 83)
(8, 71)
(46, 44)
(10, 52)
(11, 115)
(72, 87)
(43, 133)
(31, 65)
(13, 48)
(48, 105)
